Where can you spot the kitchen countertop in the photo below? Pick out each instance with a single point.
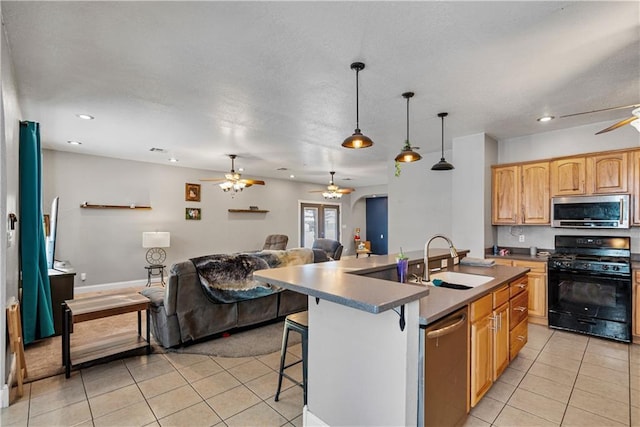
(340, 282)
(520, 257)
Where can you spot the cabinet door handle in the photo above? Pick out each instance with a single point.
(522, 285)
(494, 322)
(520, 338)
(520, 308)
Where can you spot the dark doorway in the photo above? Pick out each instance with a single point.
(377, 216)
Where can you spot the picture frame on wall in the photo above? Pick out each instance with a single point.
(193, 213)
(192, 192)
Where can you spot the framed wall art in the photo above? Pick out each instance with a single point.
(193, 213)
(192, 192)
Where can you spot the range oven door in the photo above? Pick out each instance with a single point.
(590, 303)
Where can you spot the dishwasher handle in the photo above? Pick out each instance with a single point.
(447, 329)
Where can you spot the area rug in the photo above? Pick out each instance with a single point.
(44, 358)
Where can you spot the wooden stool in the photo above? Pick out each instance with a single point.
(297, 322)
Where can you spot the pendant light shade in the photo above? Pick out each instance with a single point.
(442, 165)
(357, 140)
(407, 154)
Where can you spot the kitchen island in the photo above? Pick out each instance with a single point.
(364, 354)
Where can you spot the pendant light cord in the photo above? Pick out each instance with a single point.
(407, 120)
(357, 101)
(442, 137)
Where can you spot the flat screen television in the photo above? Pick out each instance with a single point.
(53, 228)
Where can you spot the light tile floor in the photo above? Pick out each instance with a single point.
(559, 378)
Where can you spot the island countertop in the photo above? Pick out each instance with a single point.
(342, 282)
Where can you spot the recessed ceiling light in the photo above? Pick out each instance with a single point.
(85, 116)
(74, 142)
(240, 169)
(545, 118)
(173, 160)
(292, 176)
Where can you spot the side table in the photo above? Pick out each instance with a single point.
(98, 307)
(151, 272)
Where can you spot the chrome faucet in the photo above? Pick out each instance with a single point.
(452, 250)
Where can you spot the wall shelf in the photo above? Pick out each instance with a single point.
(90, 206)
(248, 210)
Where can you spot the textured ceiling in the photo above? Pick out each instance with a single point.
(271, 81)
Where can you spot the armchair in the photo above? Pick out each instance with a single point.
(276, 242)
(332, 248)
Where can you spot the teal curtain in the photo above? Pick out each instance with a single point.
(37, 319)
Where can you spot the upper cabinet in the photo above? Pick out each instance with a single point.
(506, 192)
(568, 176)
(593, 174)
(521, 194)
(608, 173)
(535, 193)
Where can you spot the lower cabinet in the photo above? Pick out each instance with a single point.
(498, 332)
(481, 347)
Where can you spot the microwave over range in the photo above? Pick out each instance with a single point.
(604, 211)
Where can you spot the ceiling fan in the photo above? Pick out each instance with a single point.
(634, 120)
(333, 191)
(233, 181)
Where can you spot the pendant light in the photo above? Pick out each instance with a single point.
(407, 154)
(442, 165)
(357, 140)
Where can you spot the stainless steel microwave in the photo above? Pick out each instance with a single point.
(605, 211)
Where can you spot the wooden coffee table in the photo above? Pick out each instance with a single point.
(98, 307)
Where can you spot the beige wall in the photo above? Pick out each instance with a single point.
(106, 244)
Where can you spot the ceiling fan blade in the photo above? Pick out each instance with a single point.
(213, 179)
(345, 190)
(623, 107)
(249, 182)
(317, 191)
(617, 125)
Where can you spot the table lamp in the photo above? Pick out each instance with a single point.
(156, 240)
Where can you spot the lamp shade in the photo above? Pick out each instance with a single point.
(156, 239)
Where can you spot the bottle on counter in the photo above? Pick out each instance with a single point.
(495, 249)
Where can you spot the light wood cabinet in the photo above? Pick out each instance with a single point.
(568, 176)
(500, 340)
(635, 160)
(481, 348)
(506, 195)
(608, 173)
(521, 194)
(536, 285)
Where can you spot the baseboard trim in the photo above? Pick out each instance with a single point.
(109, 286)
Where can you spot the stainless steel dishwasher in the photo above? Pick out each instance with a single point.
(442, 392)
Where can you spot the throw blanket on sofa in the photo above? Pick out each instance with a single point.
(229, 278)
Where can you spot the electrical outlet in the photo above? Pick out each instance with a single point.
(521, 238)
(83, 276)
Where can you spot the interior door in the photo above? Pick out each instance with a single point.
(318, 221)
(377, 213)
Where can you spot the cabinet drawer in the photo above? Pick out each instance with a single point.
(534, 266)
(518, 309)
(518, 338)
(481, 308)
(500, 296)
(518, 286)
(502, 261)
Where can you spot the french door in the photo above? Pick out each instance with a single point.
(318, 221)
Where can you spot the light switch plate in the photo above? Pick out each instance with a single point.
(521, 238)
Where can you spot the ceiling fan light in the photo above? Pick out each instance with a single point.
(331, 195)
(636, 124)
(357, 140)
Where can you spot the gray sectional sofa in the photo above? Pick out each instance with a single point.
(182, 312)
